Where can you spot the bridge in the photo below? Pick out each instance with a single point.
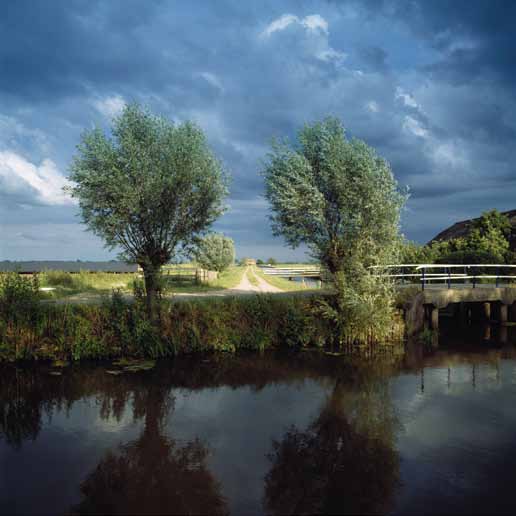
(293, 272)
(425, 275)
(485, 291)
(475, 291)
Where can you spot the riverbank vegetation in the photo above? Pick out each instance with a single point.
(116, 328)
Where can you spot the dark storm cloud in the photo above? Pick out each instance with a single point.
(429, 84)
(374, 58)
(475, 38)
(53, 49)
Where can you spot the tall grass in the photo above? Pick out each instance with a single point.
(84, 281)
(229, 278)
(116, 327)
(362, 308)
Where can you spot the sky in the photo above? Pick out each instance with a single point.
(430, 84)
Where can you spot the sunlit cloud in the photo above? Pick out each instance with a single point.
(110, 107)
(44, 181)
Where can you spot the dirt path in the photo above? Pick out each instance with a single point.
(244, 287)
(263, 286)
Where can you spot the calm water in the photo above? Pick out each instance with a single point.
(429, 430)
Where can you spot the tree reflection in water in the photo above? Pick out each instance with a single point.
(344, 462)
(153, 474)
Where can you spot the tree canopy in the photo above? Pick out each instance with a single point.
(149, 188)
(215, 252)
(487, 241)
(335, 195)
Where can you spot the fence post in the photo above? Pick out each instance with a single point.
(423, 279)
(449, 278)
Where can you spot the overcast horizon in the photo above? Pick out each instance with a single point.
(430, 85)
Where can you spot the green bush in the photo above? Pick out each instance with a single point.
(19, 298)
(362, 309)
(64, 279)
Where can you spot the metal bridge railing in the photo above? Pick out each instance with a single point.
(463, 274)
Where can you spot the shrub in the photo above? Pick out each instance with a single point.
(362, 309)
(61, 279)
(19, 298)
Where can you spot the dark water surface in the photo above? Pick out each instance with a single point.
(428, 430)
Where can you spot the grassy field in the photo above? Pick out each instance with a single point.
(230, 278)
(178, 279)
(64, 284)
(227, 279)
(282, 283)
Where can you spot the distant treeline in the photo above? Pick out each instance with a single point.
(487, 240)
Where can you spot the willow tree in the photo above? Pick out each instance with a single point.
(215, 252)
(335, 195)
(149, 188)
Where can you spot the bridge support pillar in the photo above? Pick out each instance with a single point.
(487, 310)
(503, 335)
(464, 312)
(513, 312)
(503, 313)
(434, 318)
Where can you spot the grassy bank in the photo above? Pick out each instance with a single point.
(117, 328)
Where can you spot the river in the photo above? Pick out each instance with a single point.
(428, 429)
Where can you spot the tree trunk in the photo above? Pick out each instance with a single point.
(151, 276)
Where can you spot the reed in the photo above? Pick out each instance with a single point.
(115, 328)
